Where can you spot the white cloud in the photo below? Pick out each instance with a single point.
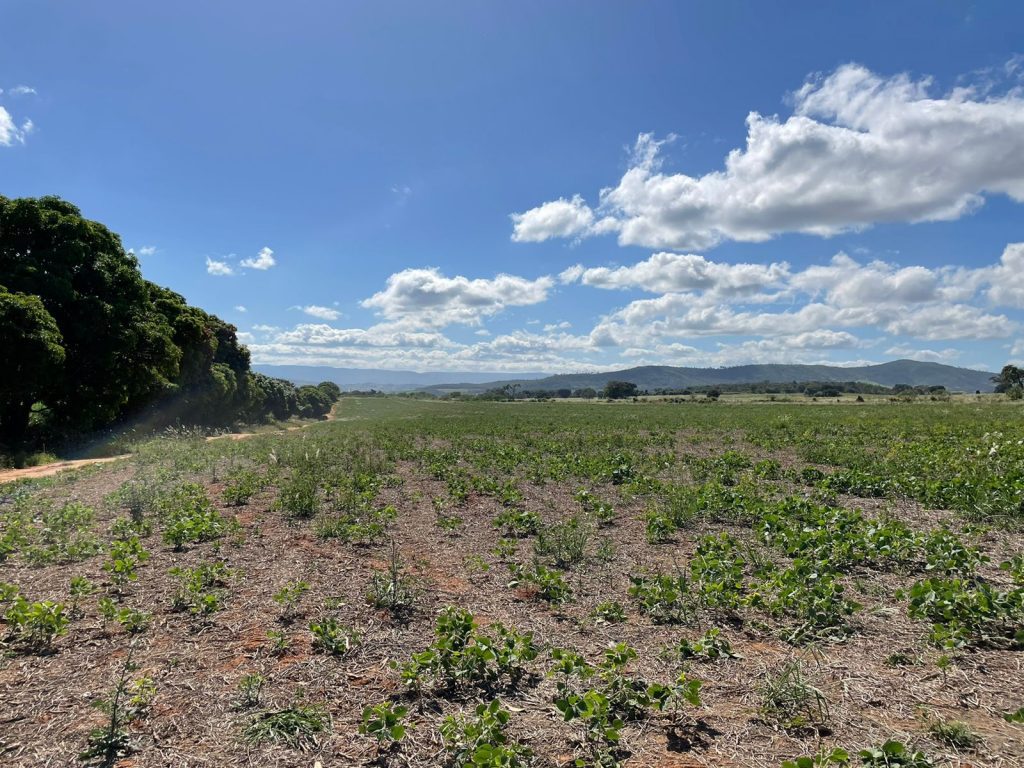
(562, 326)
(220, 268)
(427, 298)
(10, 132)
(324, 313)
(559, 218)
(674, 272)
(22, 90)
(240, 308)
(264, 260)
(947, 356)
(147, 250)
(858, 149)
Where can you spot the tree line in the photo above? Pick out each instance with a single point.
(86, 343)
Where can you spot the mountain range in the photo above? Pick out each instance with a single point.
(648, 377)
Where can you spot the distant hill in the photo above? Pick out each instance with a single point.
(652, 377)
(365, 379)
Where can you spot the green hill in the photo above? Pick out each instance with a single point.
(654, 377)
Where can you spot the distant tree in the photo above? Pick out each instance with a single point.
(1011, 377)
(564, 393)
(617, 390)
(329, 388)
(31, 355)
(587, 393)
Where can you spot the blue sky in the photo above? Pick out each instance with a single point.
(419, 185)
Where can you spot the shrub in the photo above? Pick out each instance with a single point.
(126, 555)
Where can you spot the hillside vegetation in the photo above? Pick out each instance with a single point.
(663, 377)
(432, 583)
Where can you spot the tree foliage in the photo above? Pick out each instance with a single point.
(95, 344)
(617, 390)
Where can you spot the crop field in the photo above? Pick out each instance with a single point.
(431, 583)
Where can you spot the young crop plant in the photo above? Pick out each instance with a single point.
(80, 588)
(947, 555)
(242, 486)
(289, 597)
(385, 722)
(660, 526)
(332, 637)
(602, 512)
(663, 597)
(279, 642)
(133, 621)
(201, 589)
(711, 646)
(297, 726)
(64, 536)
(1015, 567)
(35, 626)
(189, 516)
(717, 572)
(833, 758)
(126, 555)
(518, 523)
(549, 584)
(609, 612)
(969, 613)
(893, 754)
(481, 741)
(811, 594)
(462, 655)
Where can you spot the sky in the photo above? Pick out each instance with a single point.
(545, 186)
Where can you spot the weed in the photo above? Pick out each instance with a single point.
(789, 700)
(250, 690)
(956, 734)
(296, 726)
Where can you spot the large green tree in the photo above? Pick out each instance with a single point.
(120, 354)
(31, 355)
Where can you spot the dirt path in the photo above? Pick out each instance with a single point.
(46, 470)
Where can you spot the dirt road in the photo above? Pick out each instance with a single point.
(45, 470)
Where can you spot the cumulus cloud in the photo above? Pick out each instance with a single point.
(947, 356)
(240, 308)
(427, 298)
(324, 313)
(10, 132)
(675, 272)
(264, 260)
(858, 149)
(147, 250)
(219, 268)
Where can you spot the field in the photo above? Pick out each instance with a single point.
(499, 584)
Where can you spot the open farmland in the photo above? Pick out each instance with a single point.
(448, 583)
